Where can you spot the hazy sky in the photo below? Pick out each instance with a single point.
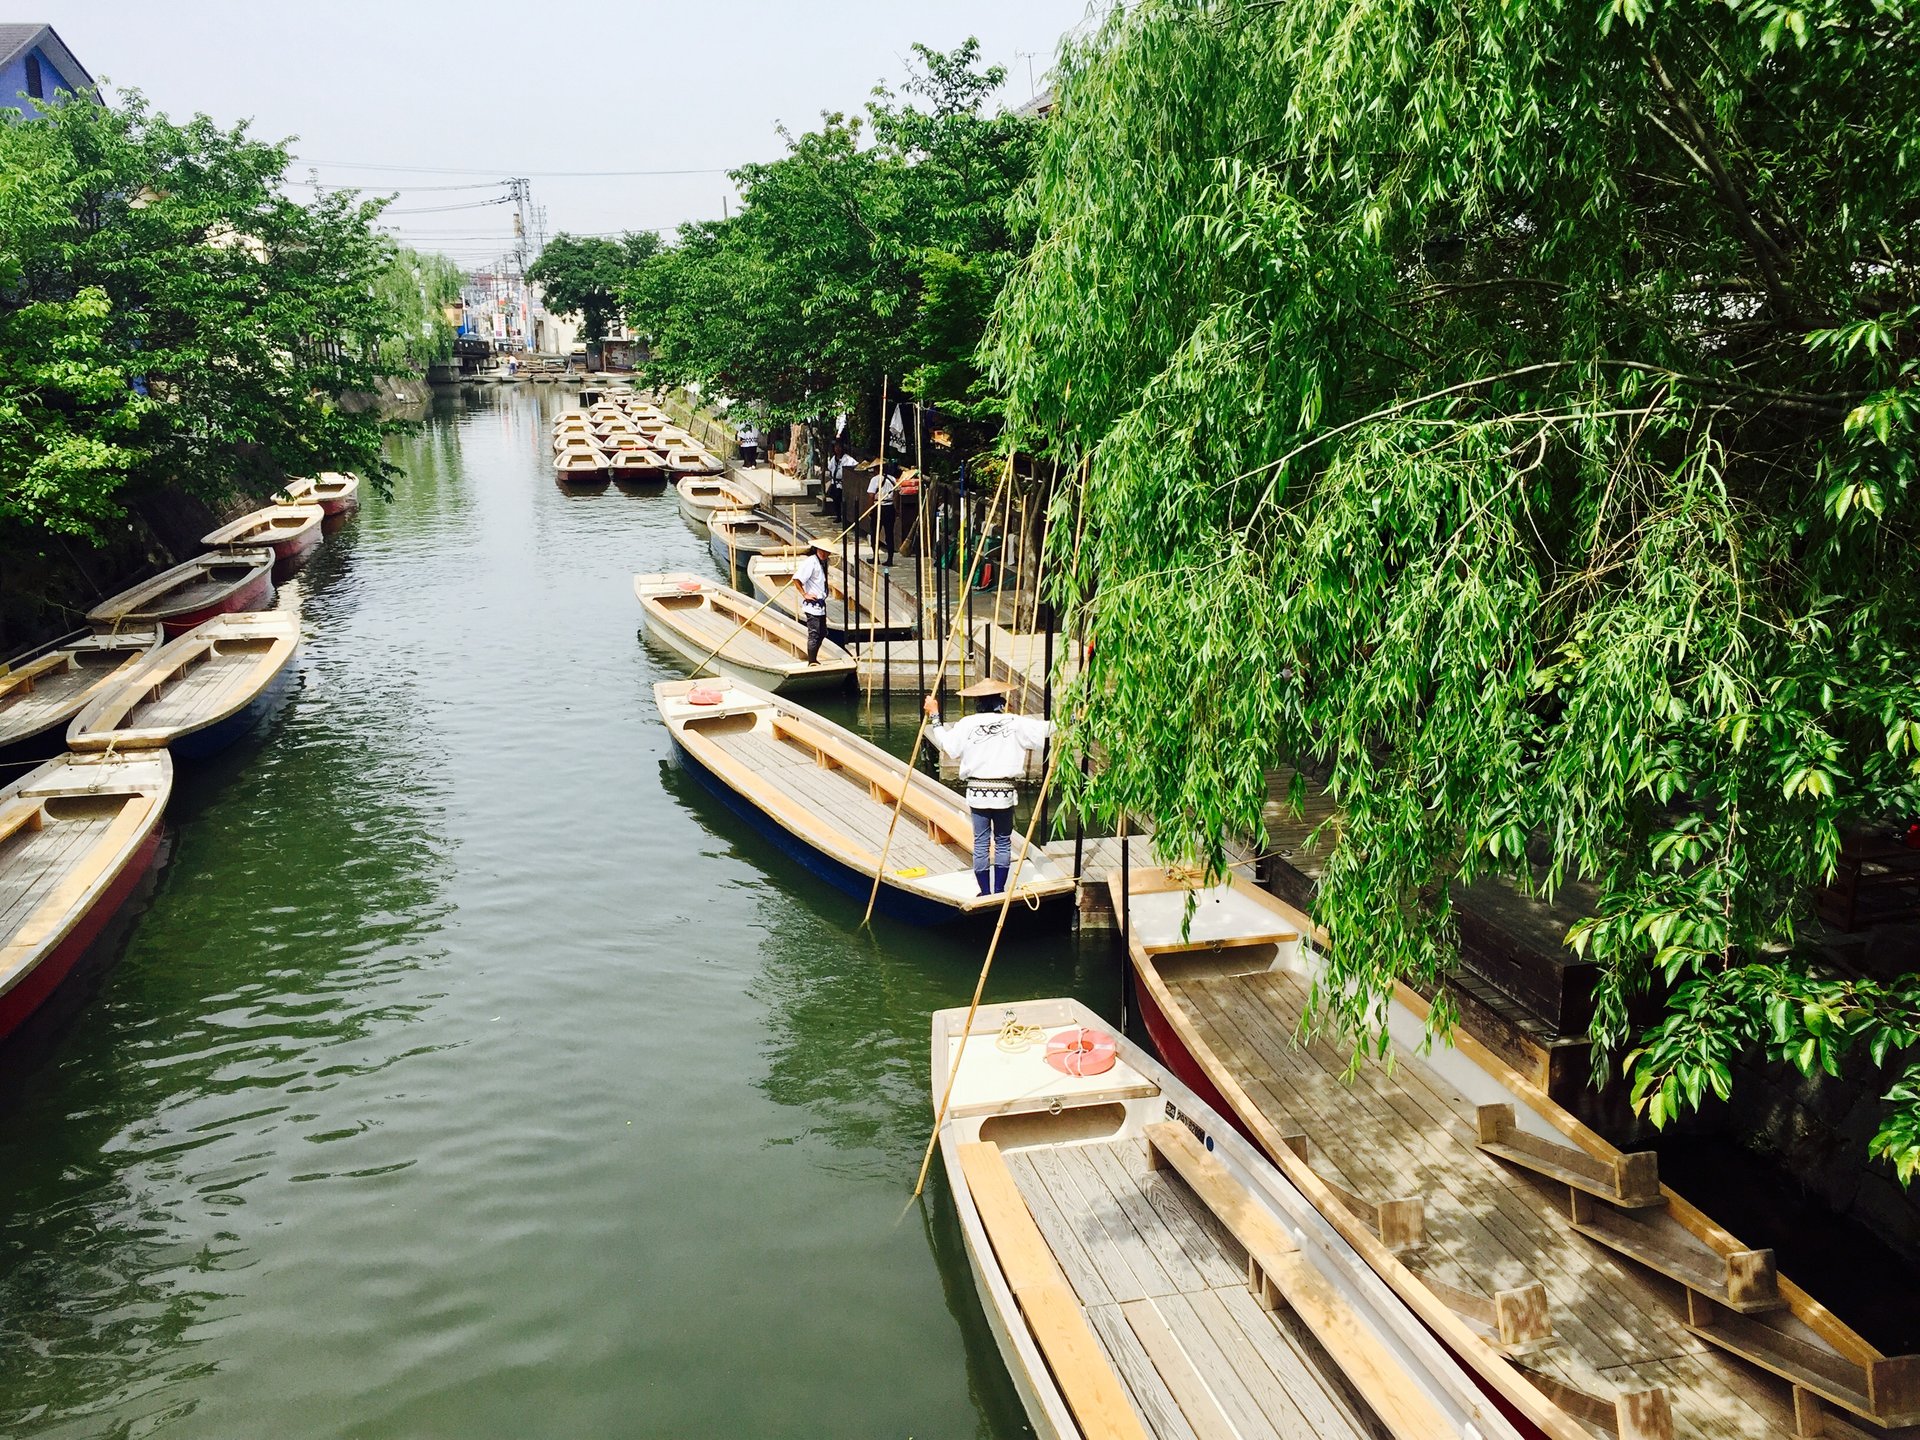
(532, 88)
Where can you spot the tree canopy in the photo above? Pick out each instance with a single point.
(582, 275)
(167, 315)
(874, 246)
(1504, 411)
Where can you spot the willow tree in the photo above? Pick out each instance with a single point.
(1505, 411)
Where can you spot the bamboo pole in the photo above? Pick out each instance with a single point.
(913, 756)
(980, 986)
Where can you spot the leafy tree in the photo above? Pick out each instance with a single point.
(874, 246)
(167, 316)
(416, 289)
(1505, 410)
(582, 275)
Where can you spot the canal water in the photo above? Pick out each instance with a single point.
(470, 1071)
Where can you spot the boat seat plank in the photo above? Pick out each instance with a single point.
(1370, 1367)
(1086, 1380)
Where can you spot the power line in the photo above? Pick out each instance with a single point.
(528, 174)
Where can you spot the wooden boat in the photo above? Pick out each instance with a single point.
(736, 536)
(77, 836)
(691, 617)
(197, 694)
(334, 491)
(1146, 1272)
(39, 696)
(1581, 1290)
(637, 463)
(287, 530)
(826, 797)
(855, 613)
(579, 463)
(702, 495)
(217, 583)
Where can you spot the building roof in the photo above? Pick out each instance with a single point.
(16, 37)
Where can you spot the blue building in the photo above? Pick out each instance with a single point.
(35, 63)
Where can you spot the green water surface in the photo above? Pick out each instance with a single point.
(470, 1071)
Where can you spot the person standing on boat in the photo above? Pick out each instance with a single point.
(748, 439)
(991, 748)
(811, 576)
(881, 491)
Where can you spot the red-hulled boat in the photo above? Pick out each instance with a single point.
(332, 490)
(216, 583)
(290, 531)
(77, 836)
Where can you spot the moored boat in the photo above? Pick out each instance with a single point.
(721, 630)
(702, 495)
(857, 611)
(1577, 1287)
(39, 696)
(1146, 1272)
(334, 491)
(827, 798)
(198, 694)
(580, 465)
(287, 530)
(736, 536)
(217, 583)
(77, 836)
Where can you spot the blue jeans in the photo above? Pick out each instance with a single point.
(992, 829)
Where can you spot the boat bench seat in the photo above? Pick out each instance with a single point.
(1276, 1271)
(1085, 1378)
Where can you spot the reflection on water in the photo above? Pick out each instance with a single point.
(471, 1071)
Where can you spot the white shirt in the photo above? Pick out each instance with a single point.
(883, 486)
(811, 576)
(992, 751)
(839, 465)
(747, 435)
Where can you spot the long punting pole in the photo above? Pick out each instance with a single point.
(773, 594)
(980, 986)
(920, 545)
(913, 757)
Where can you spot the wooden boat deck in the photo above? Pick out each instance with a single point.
(1165, 1289)
(708, 627)
(1407, 1132)
(790, 768)
(197, 690)
(35, 860)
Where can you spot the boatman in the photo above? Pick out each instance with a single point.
(811, 576)
(748, 440)
(881, 491)
(991, 748)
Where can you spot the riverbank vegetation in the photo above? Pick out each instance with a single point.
(1507, 413)
(170, 319)
(874, 247)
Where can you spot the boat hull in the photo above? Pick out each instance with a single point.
(256, 594)
(39, 985)
(212, 739)
(774, 682)
(1174, 1054)
(893, 903)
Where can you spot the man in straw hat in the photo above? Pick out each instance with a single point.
(811, 576)
(991, 747)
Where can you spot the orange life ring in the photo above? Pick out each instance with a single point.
(692, 587)
(1081, 1052)
(703, 695)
